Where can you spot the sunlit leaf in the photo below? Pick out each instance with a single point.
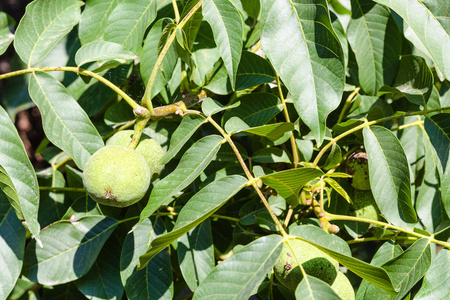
(315, 289)
(193, 162)
(289, 183)
(44, 24)
(94, 20)
(253, 262)
(227, 25)
(200, 207)
(6, 37)
(303, 48)
(375, 40)
(65, 259)
(128, 22)
(17, 176)
(389, 176)
(65, 123)
(434, 37)
(102, 52)
(437, 279)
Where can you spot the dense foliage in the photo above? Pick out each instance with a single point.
(258, 104)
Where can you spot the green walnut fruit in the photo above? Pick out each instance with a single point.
(357, 166)
(147, 147)
(343, 287)
(315, 262)
(364, 206)
(116, 176)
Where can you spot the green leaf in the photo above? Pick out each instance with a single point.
(192, 26)
(253, 70)
(338, 188)
(6, 37)
(340, 33)
(227, 26)
(17, 177)
(386, 252)
(44, 24)
(305, 51)
(289, 183)
(199, 208)
(211, 107)
(414, 80)
(65, 259)
(193, 162)
(271, 155)
(52, 205)
(65, 123)
(438, 129)
(182, 134)
(255, 109)
(315, 289)
(12, 247)
(103, 279)
(155, 280)
(196, 254)
(375, 275)
(437, 279)
(375, 40)
(150, 54)
(318, 236)
(253, 262)
(128, 22)
(434, 37)
(94, 20)
(407, 268)
(389, 176)
(102, 52)
(272, 131)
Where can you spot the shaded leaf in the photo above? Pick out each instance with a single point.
(64, 260)
(211, 107)
(12, 247)
(304, 50)
(272, 131)
(196, 254)
(375, 40)
(193, 162)
(438, 129)
(428, 29)
(253, 262)
(437, 279)
(182, 134)
(389, 176)
(271, 155)
(289, 183)
(199, 208)
(102, 52)
(128, 22)
(94, 20)
(315, 289)
(227, 26)
(65, 124)
(414, 80)
(17, 177)
(44, 24)
(253, 70)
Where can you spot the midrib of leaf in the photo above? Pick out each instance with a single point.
(40, 36)
(138, 22)
(51, 106)
(411, 269)
(223, 25)
(76, 247)
(370, 39)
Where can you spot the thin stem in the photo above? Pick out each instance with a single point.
(347, 104)
(79, 71)
(250, 177)
(146, 100)
(256, 47)
(387, 226)
(141, 122)
(384, 238)
(175, 9)
(367, 124)
(286, 115)
(61, 163)
(172, 213)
